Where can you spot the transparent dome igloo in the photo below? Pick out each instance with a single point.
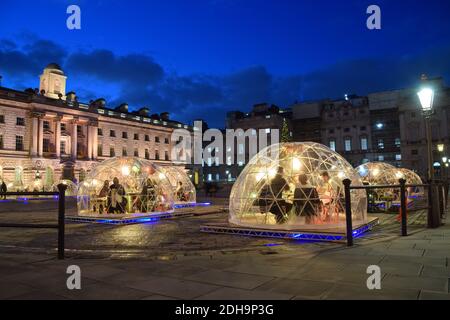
(298, 188)
(378, 173)
(411, 178)
(182, 186)
(71, 190)
(124, 186)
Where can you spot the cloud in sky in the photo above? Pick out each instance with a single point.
(141, 81)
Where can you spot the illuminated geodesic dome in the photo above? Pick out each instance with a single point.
(124, 185)
(377, 173)
(295, 186)
(412, 178)
(72, 188)
(182, 186)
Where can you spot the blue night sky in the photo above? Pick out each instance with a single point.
(200, 59)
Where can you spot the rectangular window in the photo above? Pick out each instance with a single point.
(346, 129)
(63, 127)
(166, 140)
(62, 147)
(136, 136)
(100, 131)
(381, 158)
(125, 135)
(147, 154)
(46, 145)
(364, 145)
(209, 177)
(398, 142)
(156, 155)
(124, 152)
(363, 128)
(147, 137)
(112, 133)
(2, 118)
(333, 145)
(19, 143)
(112, 152)
(380, 144)
(46, 125)
(348, 144)
(166, 155)
(217, 177)
(398, 157)
(20, 121)
(100, 150)
(157, 139)
(1, 141)
(136, 152)
(79, 129)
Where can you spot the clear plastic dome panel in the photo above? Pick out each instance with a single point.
(182, 186)
(299, 188)
(125, 185)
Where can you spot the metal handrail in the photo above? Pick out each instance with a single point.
(61, 215)
(402, 186)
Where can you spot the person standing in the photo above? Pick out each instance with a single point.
(3, 189)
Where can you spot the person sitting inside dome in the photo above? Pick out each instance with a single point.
(306, 200)
(116, 198)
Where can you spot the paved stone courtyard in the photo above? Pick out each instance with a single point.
(170, 259)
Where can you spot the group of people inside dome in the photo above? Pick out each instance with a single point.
(114, 199)
(298, 197)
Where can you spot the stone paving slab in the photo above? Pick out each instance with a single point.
(352, 292)
(301, 288)
(432, 295)
(241, 294)
(436, 272)
(180, 289)
(230, 279)
(424, 283)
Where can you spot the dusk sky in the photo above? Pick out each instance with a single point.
(200, 59)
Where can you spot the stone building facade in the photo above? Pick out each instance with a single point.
(48, 135)
(383, 126)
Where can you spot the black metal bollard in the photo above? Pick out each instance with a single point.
(403, 207)
(348, 212)
(61, 219)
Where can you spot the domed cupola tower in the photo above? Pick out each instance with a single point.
(53, 82)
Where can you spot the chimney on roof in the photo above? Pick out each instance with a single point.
(143, 111)
(164, 116)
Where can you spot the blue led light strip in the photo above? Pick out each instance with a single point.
(292, 235)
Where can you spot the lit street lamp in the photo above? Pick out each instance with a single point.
(426, 96)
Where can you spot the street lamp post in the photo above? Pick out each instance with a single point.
(426, 97)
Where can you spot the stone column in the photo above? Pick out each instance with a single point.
(41, 137)
(74, 139)
(95, 143)
(35, 132)
(89, 141)
(58, 137)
